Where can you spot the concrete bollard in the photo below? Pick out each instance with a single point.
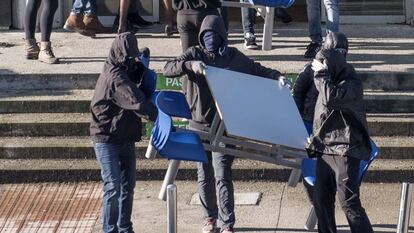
(405, 206)
(171, 208)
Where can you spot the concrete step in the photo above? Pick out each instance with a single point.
(387, 81)
(389, 102)
(81, 147)
(372, 81)
(391, 124)
(53, 148)
(45, 101)
(48, 81)
(52, 170)
(77, 124)
(60, 101)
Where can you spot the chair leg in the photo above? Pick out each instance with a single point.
(312, 220)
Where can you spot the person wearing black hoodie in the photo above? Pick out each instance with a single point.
(330, 93)
(190, 15)
(118, 104)
(214, 177)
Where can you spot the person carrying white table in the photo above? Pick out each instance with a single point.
(215, 177)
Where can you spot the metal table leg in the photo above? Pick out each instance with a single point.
(268, 29)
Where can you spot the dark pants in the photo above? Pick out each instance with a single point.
(188, 26)
(215, 181)
(336, 174)
(46, 18)
(118, 167)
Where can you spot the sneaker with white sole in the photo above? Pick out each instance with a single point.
(210, 226)
(250, 41)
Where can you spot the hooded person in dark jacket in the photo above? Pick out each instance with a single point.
(190, 15)
(340, 138)
(117, 106)
(213, 51)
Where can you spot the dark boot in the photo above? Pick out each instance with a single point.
(74, 23)
(32, 49)
(92, 23)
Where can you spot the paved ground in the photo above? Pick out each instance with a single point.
(76, 208)
(385, 48)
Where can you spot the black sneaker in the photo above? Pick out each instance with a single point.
(136, 21)
(312, 49)
(282, 14)
(250, 41)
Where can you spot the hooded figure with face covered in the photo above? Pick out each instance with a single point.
(330, 93)
(215, 177)
(118, 104)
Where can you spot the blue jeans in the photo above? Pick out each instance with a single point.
(248, 18)
(118, 170)
(87, 7)
(314, 18)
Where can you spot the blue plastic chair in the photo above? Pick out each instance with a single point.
(149, 83)
(172, 103)
(170, 144)
(273, 3)
(309, 166)
(309, 175)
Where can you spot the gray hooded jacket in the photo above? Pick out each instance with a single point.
(197, 91)
(118, 103)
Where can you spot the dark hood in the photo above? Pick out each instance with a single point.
(336, 62)
(124, 48)
(336, 40)
(124, 57)
(212, 23)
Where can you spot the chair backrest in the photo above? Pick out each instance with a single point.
(364, 165)
(149, 83)
(161, 130)
(172, 103)
(273, 3)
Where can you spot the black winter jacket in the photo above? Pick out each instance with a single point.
(339, 126)
(118, 103)
(197, 91)
(305, 93)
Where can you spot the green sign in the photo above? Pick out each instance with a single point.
(176, 123)
(164, 83)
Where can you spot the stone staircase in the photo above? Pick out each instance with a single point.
(44, 128)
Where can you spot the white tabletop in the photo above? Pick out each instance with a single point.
(256, 108)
